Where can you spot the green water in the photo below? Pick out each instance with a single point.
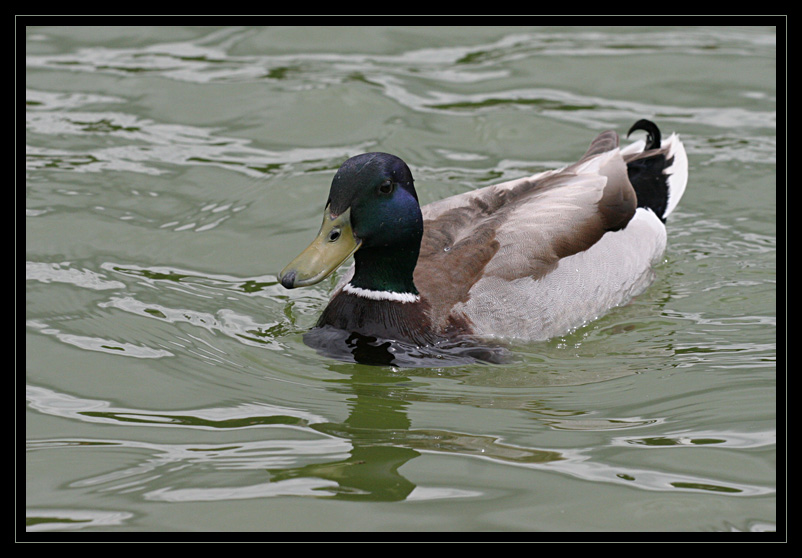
(172, 172)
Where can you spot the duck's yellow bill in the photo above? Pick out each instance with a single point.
(332, 246)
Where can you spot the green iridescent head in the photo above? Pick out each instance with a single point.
(373, 213)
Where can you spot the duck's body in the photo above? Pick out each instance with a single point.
(528, 259)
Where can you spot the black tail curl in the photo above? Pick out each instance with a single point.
(653, 139)
(647, 170)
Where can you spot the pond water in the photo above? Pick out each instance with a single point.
(171, 172)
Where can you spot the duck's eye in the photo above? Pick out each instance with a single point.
(334, 234)
(386, 187)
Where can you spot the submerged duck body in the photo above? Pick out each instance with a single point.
(527, 259)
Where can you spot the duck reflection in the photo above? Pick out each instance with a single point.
(379, 429)
(377, 421)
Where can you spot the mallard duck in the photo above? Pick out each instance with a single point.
(528, 259)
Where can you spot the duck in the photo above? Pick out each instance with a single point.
(528, 259)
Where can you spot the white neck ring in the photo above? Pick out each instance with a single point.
(381, 295)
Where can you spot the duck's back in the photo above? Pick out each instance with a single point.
(535, 257)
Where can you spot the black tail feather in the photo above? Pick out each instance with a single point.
(646, 171)
(653, 139)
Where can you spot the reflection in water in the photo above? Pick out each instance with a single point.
(301, 454)
(378, 428)
(373, 427)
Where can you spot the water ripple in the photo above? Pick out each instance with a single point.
(145, 145)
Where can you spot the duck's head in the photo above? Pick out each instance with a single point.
(373, 209)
